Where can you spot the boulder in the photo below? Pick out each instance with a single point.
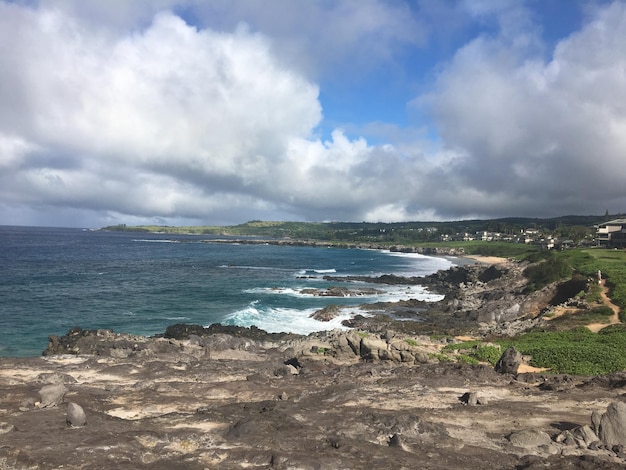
(530, 438)
(584, 436)
(509, 362)
(470, 398)
(52, 395)
(372, 348)
(76, 416)
(612, 428)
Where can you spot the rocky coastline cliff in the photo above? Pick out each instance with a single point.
(374, 396)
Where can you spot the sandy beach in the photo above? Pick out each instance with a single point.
(487, 259)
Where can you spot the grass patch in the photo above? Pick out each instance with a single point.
(612, 263)
(578, 318)
(440, 357)
(545, 272)
(476, 350)
(577, 351)
(411, 342)
(465, 359)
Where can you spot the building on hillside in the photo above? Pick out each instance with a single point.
(612, 234)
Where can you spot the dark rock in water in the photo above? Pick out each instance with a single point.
(181, 331)
(76, 416)
(612, 429)
(327, 313)
(509, 362)
(52, 395)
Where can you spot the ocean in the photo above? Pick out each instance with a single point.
(52, 279)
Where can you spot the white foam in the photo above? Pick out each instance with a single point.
(286, 320)
(386, 293)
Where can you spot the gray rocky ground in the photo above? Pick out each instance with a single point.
(223, 398)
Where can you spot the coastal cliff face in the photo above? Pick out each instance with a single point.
(230, 397)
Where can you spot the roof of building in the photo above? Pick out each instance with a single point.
(613, 222)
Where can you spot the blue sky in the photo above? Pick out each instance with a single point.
(218, 112)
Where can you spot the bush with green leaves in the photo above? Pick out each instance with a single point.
(476, 350)
(550, 270)
(577, 351)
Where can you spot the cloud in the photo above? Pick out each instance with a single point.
(128, 113)
(173, 122)
(161, 122)
(535, 136)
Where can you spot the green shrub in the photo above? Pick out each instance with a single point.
(546, 272)
(603, 310)
(577, 351)
(465, 359)
(439, 356)
(476, 350)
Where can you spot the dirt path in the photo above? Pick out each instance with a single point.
(595, 327)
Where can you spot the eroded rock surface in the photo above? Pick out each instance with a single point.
(333, 400)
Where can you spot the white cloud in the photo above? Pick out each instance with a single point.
(539, 137)
(133, 117)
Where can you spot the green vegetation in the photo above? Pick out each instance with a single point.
(411, 342)
(440, 357)
(406, 233)
(476, 350)
(577, 351)
(545, 272)
(464, 359)
(580, 318)
(612, 264)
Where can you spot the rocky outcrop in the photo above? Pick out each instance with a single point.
(611, 428)
(509, 362)
(327, 313)
(338, 399)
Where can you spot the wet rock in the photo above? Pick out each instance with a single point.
(327, 313)
(76, 416)
(509, 362)
(52, 395)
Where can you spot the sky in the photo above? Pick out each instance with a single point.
(217, 112)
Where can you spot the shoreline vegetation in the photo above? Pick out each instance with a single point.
(542, 269)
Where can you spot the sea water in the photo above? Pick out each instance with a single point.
(52, 279)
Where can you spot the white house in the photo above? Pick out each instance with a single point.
(612, 234)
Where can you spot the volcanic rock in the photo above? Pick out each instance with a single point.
(612, 428)
(52, 395)
(509, 362)
(76, 416)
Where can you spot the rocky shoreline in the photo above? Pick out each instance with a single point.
(376, 396)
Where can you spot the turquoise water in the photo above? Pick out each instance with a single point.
(52, 279)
